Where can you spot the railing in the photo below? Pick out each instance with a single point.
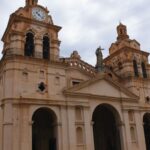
(77, 63)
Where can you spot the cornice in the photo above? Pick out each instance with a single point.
(126, 49)
(16, 18)
(99, 97)
(43, 101)
(31, 60)
(73, 90)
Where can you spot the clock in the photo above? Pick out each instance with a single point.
(38, 14)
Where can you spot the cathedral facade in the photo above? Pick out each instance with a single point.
(53, 103)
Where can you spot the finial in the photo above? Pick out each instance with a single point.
(122, 32)
(99, 65)
(120, 22)
(31, 2)
(75, 55)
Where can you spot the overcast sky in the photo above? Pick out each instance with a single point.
(87, 24)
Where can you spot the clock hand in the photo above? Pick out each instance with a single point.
(38, 14)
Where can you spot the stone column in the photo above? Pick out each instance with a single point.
(92, 135)
(121, 128)
(38, 51)
(16, 127)
(140, 131)
(30, 135)
(71, 127)
(16, 45)
(8, 127)
(54, 50)
(126, 130)
(24, 128)
(89, 140)
(1, 127)
(59, 135)
(64, 128)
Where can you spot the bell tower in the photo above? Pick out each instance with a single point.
(122, 32)
(30, 59)
(32, 33)
(127, 59)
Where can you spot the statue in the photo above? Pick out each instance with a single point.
(99, 65)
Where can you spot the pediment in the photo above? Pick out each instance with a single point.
(101, 86)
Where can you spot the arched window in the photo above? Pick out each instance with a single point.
(120, 65)
(144, 70)
(121, 31)
(29, 45)
(136, 73)
(46, 47)
(133, 136)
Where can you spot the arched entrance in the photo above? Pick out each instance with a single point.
(146, 121)
(105, 128)
(44, 130)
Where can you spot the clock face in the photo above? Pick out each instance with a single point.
(38, 14)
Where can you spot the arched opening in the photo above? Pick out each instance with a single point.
(144, 70)
(105, 128)
(135, 67)
(79, 136)
(29, 45)
(146, 122)
(46, 47)
(120, 66)
(44, 131)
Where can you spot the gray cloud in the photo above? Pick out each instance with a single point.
(90, 23)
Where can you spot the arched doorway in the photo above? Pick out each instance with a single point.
(105, 128)
(44, 131)
(146, 121)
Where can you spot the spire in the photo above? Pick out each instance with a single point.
(122, 32)
(99, 65)
(31, 2)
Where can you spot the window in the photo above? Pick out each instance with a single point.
(46, 47)
(42, 74)
(120, 65)
(79, 115)
(121, 31)
(29, 44)
(79, 132)
(75, 82)
(133, 135)
(25, 76)
(144, 70)
(131, 116)
(147, 99)
(135, 67)
(110, 75)
(42, 87)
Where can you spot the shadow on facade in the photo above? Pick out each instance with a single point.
(105, 128)
(44, 131)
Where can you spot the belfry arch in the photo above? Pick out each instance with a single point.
(106, 130)
(146, 126)
(29, 44)
(46, 47)
(44, 130)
